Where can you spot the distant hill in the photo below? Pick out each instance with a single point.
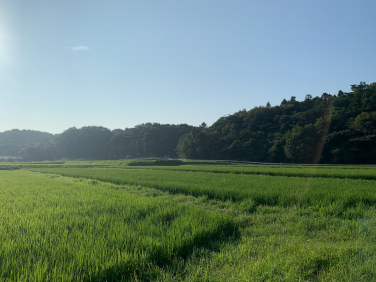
(337, 129)
(96, 142)
(24, 136)
(13, 141)
(333, 129)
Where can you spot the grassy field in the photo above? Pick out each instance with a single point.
(110, 221)
(345, 172)
(63, 231)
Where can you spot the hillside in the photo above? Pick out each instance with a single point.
(328, 129)
(12, 141)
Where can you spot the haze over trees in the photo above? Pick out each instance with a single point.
(13, 141)
(334, 129)
(96, 142)
(149, 140)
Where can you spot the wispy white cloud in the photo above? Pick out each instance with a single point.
(79, 48)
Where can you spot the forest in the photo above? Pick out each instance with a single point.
(97, 143)
(333, 129)
(328, 129)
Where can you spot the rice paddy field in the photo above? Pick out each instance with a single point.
(186, 221)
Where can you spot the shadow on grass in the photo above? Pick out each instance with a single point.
(165, 256)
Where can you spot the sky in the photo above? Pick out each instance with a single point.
(121, 63)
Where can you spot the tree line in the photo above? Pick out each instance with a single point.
(12, 142)
(97, 142)
(328, 129)
(334, 129)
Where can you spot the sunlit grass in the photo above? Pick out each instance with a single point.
(344, 172)
(65, 231)
(283, 228)
(332, 196)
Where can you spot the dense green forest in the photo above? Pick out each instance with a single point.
(334, 129)
(12, 142)
(96, 142)
(328, 129)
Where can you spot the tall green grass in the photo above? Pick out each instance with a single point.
(334, 195)
(52, 230)
(289, 228)
(344, 172)
(366, 173)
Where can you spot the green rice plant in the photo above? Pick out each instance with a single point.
(289, 228)
(331, 196)
(288, 244)
(51, 230)
(155, 163)
(345, 172)
(286, 259)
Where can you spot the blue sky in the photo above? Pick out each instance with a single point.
(122, 63)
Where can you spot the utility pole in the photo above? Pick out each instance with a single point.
(144, 149)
